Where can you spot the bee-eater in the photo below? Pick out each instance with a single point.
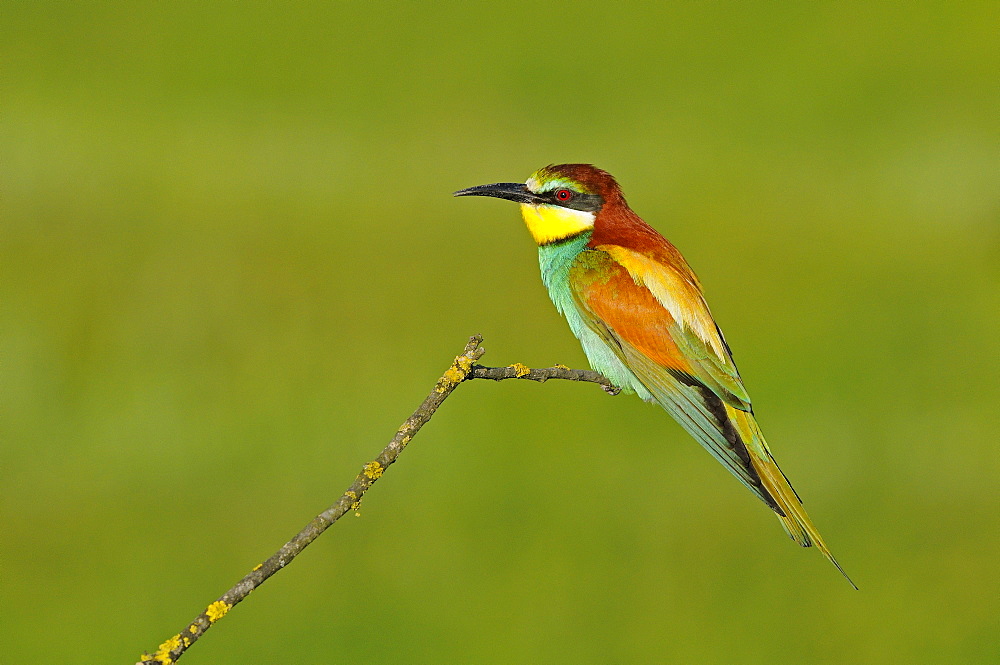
(639, 312)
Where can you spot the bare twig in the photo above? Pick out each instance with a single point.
(462, 369)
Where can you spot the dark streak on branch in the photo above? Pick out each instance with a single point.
(464, 368)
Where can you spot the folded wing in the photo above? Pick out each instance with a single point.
(664, 348)
(650, 311)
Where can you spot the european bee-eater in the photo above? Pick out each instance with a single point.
(639, 312)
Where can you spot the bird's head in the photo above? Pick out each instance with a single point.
(558, 201)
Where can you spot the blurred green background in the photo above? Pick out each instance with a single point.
(230, 266)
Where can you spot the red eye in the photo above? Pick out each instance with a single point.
(564, 195)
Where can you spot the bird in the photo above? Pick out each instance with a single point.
(639, 312)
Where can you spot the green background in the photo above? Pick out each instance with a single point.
(230, 266)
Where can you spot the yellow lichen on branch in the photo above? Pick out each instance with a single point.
(355, 502)
(373, 470)
(520, 369)
(162, 654)
(217, 610)
(457, 373)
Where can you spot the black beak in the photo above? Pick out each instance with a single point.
(512, 191)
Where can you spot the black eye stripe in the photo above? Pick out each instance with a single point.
(576, 200)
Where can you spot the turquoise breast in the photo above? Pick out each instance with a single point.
(557, 261)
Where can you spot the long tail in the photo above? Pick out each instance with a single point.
(795, 519)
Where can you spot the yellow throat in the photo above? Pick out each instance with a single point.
(549, 223)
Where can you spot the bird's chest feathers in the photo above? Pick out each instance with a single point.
(549, 223)
(568, 263)
(556, 261)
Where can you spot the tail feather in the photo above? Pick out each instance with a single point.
(795, 519)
